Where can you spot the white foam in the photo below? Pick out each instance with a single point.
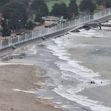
(88, 33)
(4, 64)
(28, 50)
(32, 50)
(68, 106)
(24, 91)
(94, 105)
(79, 72)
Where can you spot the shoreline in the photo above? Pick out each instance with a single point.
(86, 49)
(24, 77)
(84, 73)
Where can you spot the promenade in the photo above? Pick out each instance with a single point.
(60, 29)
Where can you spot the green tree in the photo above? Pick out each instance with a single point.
(26, 2)
(3, 2)
(40, 8)
(60, 10)
(99, 2)
(106, 3)
(73, 8)
(16, 14)
(30, 25)
(87, 6)
(6, 31)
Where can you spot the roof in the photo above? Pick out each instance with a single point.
(50, 18)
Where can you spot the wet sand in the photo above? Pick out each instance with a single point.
(26, 78)
(91, 49)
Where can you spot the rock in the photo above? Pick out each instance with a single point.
(92, 82)
(13, 47)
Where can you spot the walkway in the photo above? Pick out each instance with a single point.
(99, 17)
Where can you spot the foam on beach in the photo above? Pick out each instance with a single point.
(89, 33)
(5, 64)
(79, 72)
(29, 50)
(24, 91)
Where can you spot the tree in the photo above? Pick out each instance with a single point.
(99, 2)
(16, 14)
(87, 6)
(30, 25)
(60, 10)
(40, 8)
(26, 2)
(73, 8)
(106, 3)
(6, 31)
(3, 2)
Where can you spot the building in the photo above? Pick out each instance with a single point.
(50, 21)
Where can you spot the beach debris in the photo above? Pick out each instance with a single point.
(6, 58)
(92, 82)
(13, 56)
(19, 56)
(86, 27)
(43, 38)
(100, 26)
(13, 47)
(77, 30)
(66, 34)
(56, 37)
(41, 45)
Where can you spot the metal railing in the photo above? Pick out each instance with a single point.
(10, 41)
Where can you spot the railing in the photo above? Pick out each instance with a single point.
(10, 41)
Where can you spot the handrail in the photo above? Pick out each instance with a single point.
(10, 41)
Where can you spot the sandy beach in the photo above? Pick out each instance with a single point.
(17, 86)
(61, 75)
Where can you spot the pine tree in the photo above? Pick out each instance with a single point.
(73, 8)
(16, 14)
(40, 8)
(87, 6)
(6, 31)
(60, 10)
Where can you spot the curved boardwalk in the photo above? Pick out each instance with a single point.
(58, 30)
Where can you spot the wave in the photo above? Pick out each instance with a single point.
(78, 72)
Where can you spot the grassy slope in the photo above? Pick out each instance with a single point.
(50, 3)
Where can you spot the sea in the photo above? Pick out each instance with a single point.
(77, 69)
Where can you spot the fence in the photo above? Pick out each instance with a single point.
(10, 41)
